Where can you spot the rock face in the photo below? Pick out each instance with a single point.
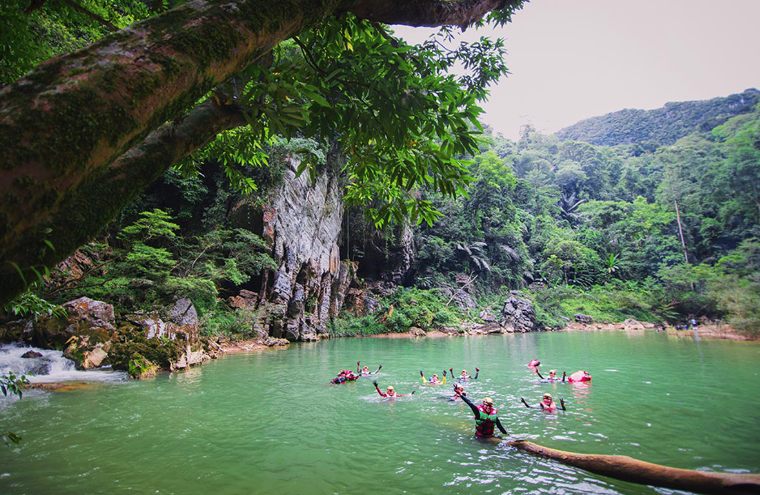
(85, 333)
(365, 301)
(302, 224)
(462, 296)
(518, 314)
(177, 331)
(89, 336)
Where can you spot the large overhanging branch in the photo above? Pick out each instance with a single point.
(69, 119)
(98, 199)
(645, 473)
(429, 13)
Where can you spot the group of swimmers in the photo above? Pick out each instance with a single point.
(486, 418)
(345, 376)
(577, 377)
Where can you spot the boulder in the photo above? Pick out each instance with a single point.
(172, 345)
(31, 354)
(85, 317)
(141, 368)
(631, 324)
(464, 300)
(487, 316)
(183, 313)
(417, 332)
(273, 342)
(85, 354)
(96, 314)
(581, 318)
(244, 300)
(518, 313)
(17, 331)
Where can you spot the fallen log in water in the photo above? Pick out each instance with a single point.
(628, 469)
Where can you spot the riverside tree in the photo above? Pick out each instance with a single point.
(83, 133)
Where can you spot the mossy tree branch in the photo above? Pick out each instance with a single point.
(66, 123)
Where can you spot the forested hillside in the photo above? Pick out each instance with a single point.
(614, 232)
(661, 126)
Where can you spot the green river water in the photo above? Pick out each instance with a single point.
(269, 422)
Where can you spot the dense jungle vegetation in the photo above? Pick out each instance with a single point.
(575, 227)
(655, 230)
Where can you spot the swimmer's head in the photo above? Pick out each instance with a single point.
(390, 388)
(488, 402)
(552, 372)
(464, 372)
(548, 396)
(365, 368)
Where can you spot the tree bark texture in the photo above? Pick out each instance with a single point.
(645, 473)
(65, 123)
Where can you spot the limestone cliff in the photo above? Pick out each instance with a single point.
(301, 221)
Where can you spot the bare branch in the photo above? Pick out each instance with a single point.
(92, 15)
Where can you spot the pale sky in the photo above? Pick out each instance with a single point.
(574, 59)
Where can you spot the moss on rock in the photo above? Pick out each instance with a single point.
(140, 368)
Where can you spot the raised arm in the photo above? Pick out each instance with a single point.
(474, 408)
(539, 374)
(423, 376)
(444, 377)
(377, 370)
(564, 374)
(477, 371)
(378, 389)
(523, 401)
(358, 366)
(562, 404)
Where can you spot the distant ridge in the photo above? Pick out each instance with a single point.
(662, 126)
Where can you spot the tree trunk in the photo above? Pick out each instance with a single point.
(680, 231)
(635, 471)
(69, 119)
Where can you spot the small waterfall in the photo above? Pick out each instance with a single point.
(50, 367)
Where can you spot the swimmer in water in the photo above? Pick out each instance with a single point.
(390, 392)
(485, 418)
(578, 376)
(344, 376)
(547, 403)
(365, 371)
(434, 380)
(553, 376)
(463, 377)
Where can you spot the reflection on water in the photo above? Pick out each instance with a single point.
(271, 422)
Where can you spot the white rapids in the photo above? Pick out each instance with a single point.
(50, 367)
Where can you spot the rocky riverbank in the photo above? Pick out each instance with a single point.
(93, 336)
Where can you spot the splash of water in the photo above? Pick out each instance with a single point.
(51, 366)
